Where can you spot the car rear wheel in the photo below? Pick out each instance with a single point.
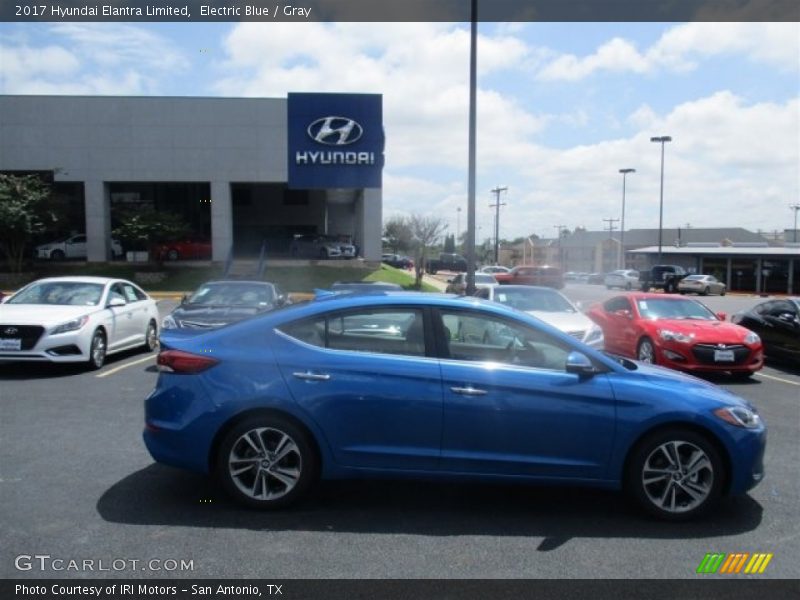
(97, 350)
(628, 286)
(722, 292)
(57, 255)
(323, 253)
(646, 352)
(706, 291)
(676, 474)
(267, 462)
(173, 254)
(151, 337)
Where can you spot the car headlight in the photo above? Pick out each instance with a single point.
(169, 323)
(72, 325)
(667, 335)
(739, 416)
(594, 335)
(752, 338)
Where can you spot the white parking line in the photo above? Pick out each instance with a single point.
(777, 379)
(126, 365)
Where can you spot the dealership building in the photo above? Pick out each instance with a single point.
(241, 172)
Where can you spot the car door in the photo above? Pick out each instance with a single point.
(139, 311)
(369, 379)
(781, 328)
(123, 330)
(75, 247)
(512, 408)
(618, 326)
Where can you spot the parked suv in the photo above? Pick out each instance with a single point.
(662, 277)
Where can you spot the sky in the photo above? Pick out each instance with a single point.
(561, 107)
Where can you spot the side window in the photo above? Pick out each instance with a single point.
(615, 304)
(140, 295)
(477, 337)
(780, 307)
(116, 293)
(382, 331)
(482, 293)
(130, 293)
(764, 309)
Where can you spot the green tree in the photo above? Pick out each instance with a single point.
(398, 234)
(426, 231)
(147, 229)
(22, 215)
(450, 243)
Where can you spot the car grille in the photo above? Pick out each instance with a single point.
(29, 334)
(198, 325)
(578, 335)
(704, 354)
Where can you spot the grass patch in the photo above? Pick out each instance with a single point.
(186, 278)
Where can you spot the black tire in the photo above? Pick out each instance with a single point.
(173, 254)
(98, 350)
(643, 343)
(150, 337)
(670, 287)
(722, 292)
(274, 434)
(706, 291)
(57, 255)
(741, 375)
(676, 460)
(645, 288)
(628, 286)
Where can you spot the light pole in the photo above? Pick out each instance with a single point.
(621, 261)
(497, 206)
(662, 140)
(795, 208)
(458, 224)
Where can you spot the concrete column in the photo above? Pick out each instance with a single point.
(98, 221)
(729, 273)
(221, 220)
(790, 283)
(758, 276)
(371, 223)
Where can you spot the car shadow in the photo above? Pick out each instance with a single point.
(160, 495)
(784, 366)
(22, 370)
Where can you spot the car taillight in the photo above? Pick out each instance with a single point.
(183, 363)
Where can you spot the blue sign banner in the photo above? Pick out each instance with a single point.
(335, 140)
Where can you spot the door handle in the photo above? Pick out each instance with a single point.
(468, 391)
(307, 376)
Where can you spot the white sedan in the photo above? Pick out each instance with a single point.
(549, 305)
(76, 319)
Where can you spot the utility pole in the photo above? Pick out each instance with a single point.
(560, 256)
(471, 149)
(611, 229)
(496, 207)
(795, 207)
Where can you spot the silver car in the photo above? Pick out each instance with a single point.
(702, 284)
(626, 279)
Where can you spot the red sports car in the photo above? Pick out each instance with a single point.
(185, 249)
(676, 332)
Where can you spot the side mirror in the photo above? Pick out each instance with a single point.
(579, 364)
(114, 302)
(722, 316)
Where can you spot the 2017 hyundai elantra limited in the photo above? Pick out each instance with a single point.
(76, 319)
(375, 386)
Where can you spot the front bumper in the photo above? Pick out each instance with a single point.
(69, 347)
(685, 358)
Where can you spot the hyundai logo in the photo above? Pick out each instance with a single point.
(11, 331)
(721, 346)
(335, 131)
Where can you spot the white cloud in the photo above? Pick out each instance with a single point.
(681, 47)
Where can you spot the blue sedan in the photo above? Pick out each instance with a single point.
(435, 386)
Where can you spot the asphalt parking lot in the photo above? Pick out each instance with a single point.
(76, 483)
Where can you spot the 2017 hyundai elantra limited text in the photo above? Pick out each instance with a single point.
(76, 319)
(378, 385)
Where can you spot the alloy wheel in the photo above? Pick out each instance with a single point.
(677, 477)
(646, 353)
(265, 464)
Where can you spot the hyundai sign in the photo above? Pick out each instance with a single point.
(335, 140)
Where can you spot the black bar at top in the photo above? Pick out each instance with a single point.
(400, 10)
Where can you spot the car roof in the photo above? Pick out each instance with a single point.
(248, 281)
(82, 279)
(654, 296)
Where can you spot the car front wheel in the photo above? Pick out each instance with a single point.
(676, 474)
(267, 462)
(97, 351)
(646, 352)
(151, 337)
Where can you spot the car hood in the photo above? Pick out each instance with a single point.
(42, 314)
(214, 316)
(563, 321)
(716, 332)
(689, 384)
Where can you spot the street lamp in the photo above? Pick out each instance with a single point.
(621, 261)
(795, 208)
(662, 140)
(497, 206)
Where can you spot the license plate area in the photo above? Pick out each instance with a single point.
(10, 344)
(723, 356)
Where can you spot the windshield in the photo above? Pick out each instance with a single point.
(62, 293)
(233, 294)
(535, 300)
(484, 278)
(656, 308)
